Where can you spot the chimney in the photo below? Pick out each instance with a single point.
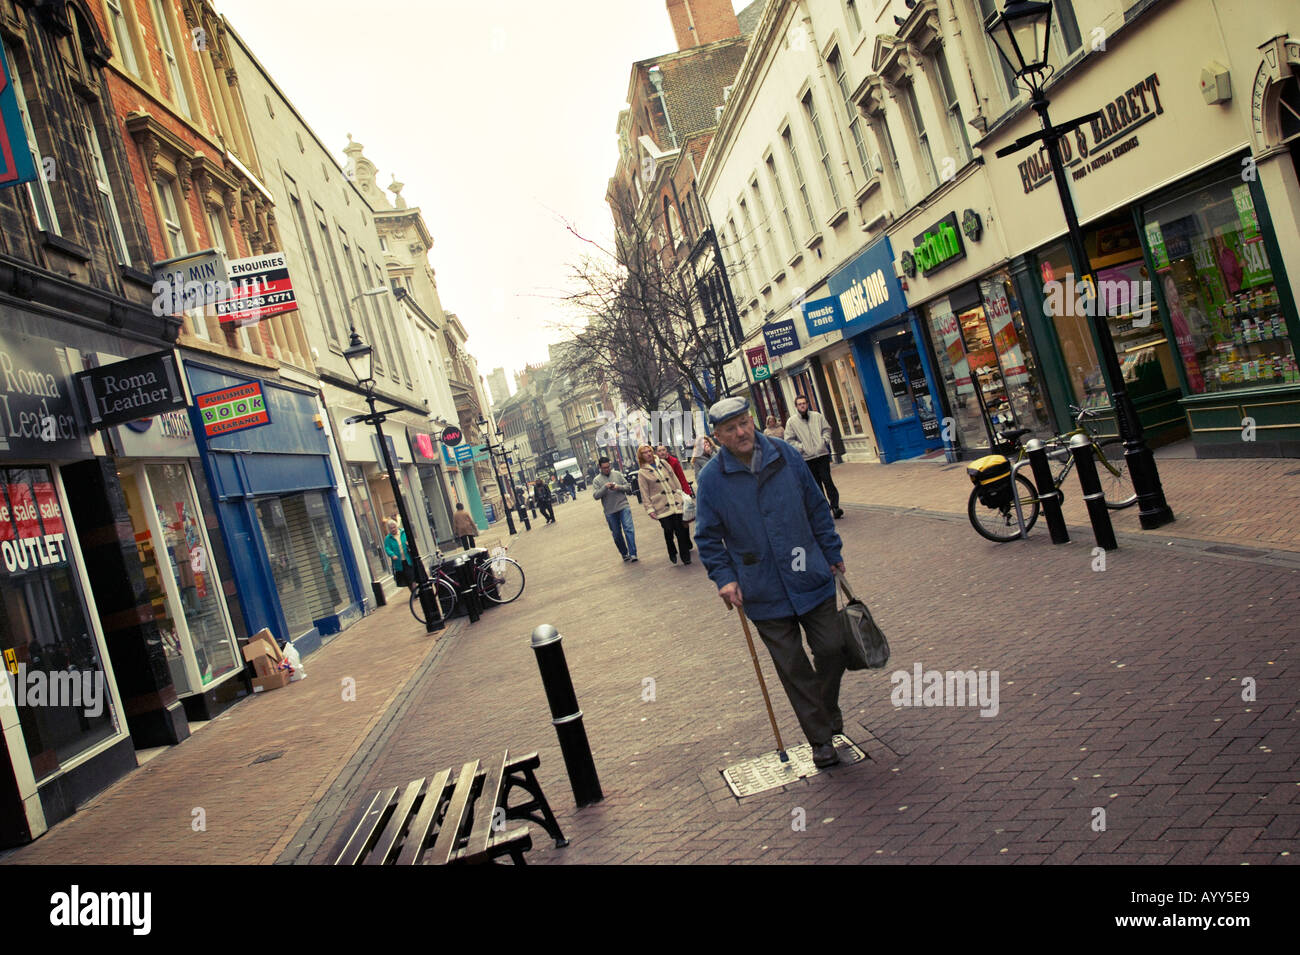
(696, 22)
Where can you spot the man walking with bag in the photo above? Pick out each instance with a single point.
(809, 433)
(765, 533)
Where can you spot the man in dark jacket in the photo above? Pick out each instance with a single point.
(544, 501)
(766, 535)
(570, 484)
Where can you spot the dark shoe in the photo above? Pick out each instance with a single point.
(626, 558)
(672, 558)
(824, 755)
(839, 512)
(687, 560)
(632, 558)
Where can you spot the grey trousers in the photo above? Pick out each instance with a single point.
(813, 688)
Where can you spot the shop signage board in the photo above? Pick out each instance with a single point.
(134, 388)
(1100, 142)
(260, 289)
(781, 338)
(451, 436)
(822, 316)
(464, 452)
(756, 359)
(16, 164)
(233, 409)
(38, 416)
(189, 281)
(31, 524)
(867, 289)
(937, 247)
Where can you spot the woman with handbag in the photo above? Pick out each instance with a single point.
(398, 555)
(661, 493)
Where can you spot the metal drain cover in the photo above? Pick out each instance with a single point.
(766, 772)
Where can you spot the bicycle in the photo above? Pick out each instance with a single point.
(993, 515)
(499, 580)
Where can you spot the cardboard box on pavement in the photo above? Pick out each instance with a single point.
(264, 654)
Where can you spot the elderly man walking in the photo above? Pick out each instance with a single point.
(809, 433)
(766, 536)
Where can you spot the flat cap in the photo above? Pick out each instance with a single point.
(727, 409)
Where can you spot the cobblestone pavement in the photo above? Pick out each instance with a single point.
(1119, 690)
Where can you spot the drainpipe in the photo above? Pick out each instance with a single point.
(829, 89)
(657, 81)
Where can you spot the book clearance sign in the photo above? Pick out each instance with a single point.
(260, 289)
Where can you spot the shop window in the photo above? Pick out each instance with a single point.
(1016, 362)
(368, 523)
(1072, 332)
(45, 630)
(1219, 289)
(965, 402)
(846, 396)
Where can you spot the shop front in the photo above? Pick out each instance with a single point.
(267, 461)
(1173, 179)
(824, 372)
(428, 470)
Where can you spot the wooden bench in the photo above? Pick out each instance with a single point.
(438, 820)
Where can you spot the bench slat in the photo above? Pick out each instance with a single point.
(387, 843)
(449, 832)
(365, 832)
(485, 807)
(426, 820)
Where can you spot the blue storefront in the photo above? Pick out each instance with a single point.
(279, 509)
(867, 304)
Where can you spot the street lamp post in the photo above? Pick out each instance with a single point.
(360, 359)
(487, 440)
(1021, 32)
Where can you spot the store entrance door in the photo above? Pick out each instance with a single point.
(913, 427)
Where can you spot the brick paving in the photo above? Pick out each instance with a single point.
(1119, 690)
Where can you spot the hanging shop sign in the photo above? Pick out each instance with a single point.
(260, 288)
(232, 409)
(465, 452)
(936, 248)
(38, 417)
(189, 281)
(1108, 136)
(451, 436)
(781, 338)
(822, 316)
(134, 388)
(756, 359)
(16, 164)
(867, 289)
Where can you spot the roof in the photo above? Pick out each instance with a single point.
(748, 17)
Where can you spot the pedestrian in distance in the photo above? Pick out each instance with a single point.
(673, 462)
(611, 488)
(398, 555)
(662, 495)
(543, 495)
(570, 486)
(809, 433)
(773, 428)
(703, 453)
(766, 536)
(463, 526)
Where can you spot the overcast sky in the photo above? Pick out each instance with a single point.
(500, 117)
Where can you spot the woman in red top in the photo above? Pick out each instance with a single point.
(668, 458)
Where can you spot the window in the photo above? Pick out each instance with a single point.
(171, 217)
(173, 66)
(769, 240)
(886, 140)
(753, 239)
(39, 190)
(323, 233)
(801, 184)
(989, 8)
(738, 259)
(668, 223)
(955, 121)
(304, 236)
(855, 124)
(922, 138)
(361, 303)
(1067, 27)
(780, 198)
(121, 31)
(388, 312)
(852, 17)
(814, 122)
(108, 205)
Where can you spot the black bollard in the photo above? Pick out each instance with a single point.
(468, 591)
(1085, 461)
(565, 715)
(1048, 498)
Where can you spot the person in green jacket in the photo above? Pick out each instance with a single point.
(398, 554)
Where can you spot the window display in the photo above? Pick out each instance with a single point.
(63, 704)
(1218, 286)
(954, 369)
(846, 395)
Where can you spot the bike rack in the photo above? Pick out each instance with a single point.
(1015, 498)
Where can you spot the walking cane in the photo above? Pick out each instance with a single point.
(780, 746)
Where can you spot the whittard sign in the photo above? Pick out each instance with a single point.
(131, 389)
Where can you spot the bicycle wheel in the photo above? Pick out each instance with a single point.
(501, 580)
(998, 524)
(446, 597)
(1112, 468)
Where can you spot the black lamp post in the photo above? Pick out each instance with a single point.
(1021, 33)
(360, 359)
(487, 440)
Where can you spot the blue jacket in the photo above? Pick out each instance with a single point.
(748, 526)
